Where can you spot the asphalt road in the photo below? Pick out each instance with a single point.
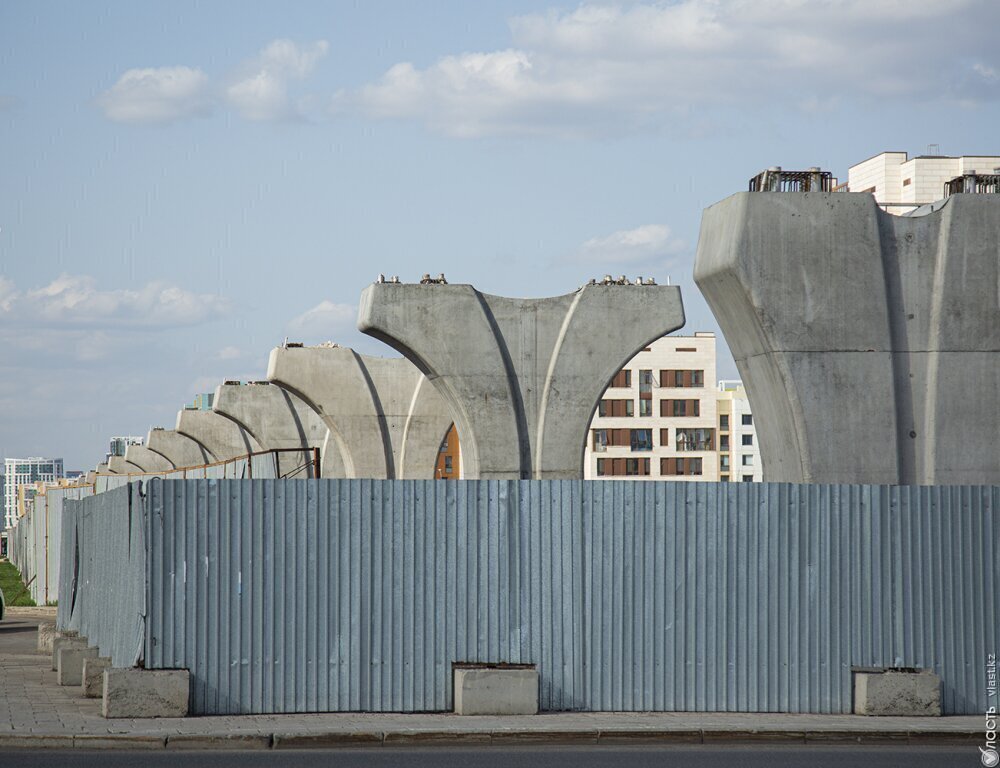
(18, 635)
(550, 757)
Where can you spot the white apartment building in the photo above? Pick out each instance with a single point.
(19, 472)
(739, 453)
(658, 419)
(900, 183)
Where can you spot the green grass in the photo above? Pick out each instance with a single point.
(12, 586)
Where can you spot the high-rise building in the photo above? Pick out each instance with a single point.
(117, 445)
(19, 472)
(658, 419)
(739, 454)
(901, 184)
(202, 402)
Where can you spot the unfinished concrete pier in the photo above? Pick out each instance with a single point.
(221, 437)
(275, 418)
(385, 419)
(869, 343)
(522, 377)
(140, 456)
(178, 449)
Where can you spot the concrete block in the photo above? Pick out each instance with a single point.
(47, 632)
(69, 664)
(146, 692)
(496, 691)
(65, 642)
(92, 681)
(892, 693)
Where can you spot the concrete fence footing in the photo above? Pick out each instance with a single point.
(897, 693)
(65, 642)
(496, 691)
(47, 632)
(146, 692)
(92, 676)
(69, 664)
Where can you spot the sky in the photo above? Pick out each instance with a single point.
(185, 185)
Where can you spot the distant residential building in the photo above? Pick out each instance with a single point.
(739, 453)
(202, 402)
(900, 183)
(118, 445)
(19, 472)
(448, 465)
(658, 419)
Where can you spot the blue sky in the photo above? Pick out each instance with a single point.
(185, 184)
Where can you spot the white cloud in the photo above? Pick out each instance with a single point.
(613, 67)
(327, 320)
(645, 245)
(77, 301)
(159, 95)
(261, 91)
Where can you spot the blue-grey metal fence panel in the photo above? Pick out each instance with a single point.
(348, 595)
(106, 595)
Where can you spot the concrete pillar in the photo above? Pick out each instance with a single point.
(496, 691)
(275, 417)
(222, 437)
(92, 683)
(178, 449)
(103, 469)
(522, 377)
(385, 419)
(141, 456)
(145, 693)
(69, 664)
(866, 341)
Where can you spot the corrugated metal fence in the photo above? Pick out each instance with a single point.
(357, 595)
(35, 541)
(103, 580)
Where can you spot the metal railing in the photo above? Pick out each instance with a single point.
(776, 180)
(974, 184)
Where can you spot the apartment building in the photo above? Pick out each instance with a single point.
(901, 184)
(658, 419)
(19, 472)
(739, 454)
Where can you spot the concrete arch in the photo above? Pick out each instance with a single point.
(521, 376)
(379, 410)
(222, 438)
(145, 459)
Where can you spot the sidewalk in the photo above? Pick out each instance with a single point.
(36, 712)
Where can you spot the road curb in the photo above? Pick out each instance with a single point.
(495, 738)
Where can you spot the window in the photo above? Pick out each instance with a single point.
(907, 182)
(680, 408)
(670, 378)
(685, 349)
(695, 439)
(642, 439)
(747, 439)
(622, 467)
(747, 419)
(622, 379)
(600, 442)
(724, 478)
(748, 460)
(723, 442)
(723, 421)
(724, 462)
(645, 407)
(615, 408)
(645, 381)
(447, 463)
(747, 478)
(676, 466)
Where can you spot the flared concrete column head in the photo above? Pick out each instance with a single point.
(521, 376)
(866, 341)
(148, 461)
(384, 421)
(178, 449)
(223, 438)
